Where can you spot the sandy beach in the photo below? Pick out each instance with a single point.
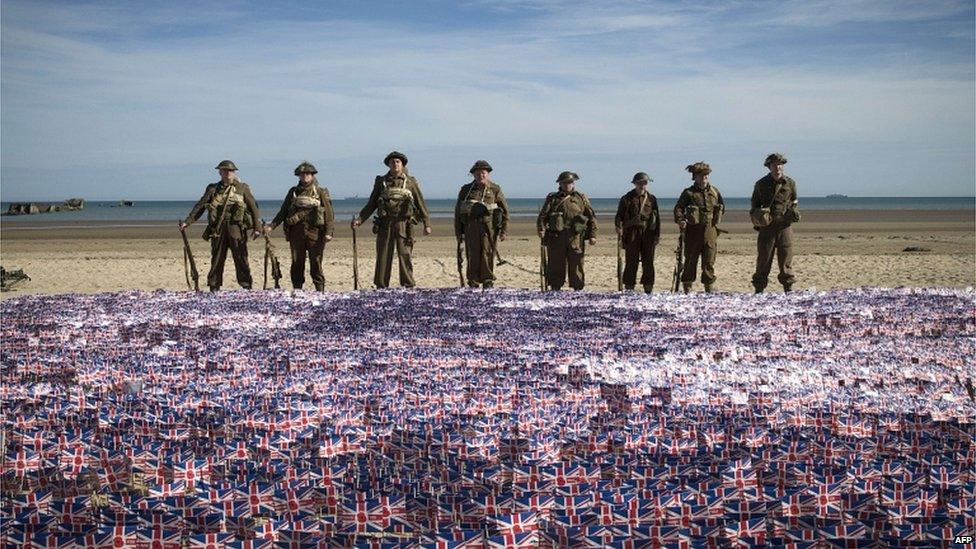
(832, 250)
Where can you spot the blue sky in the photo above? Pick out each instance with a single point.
(111, 100)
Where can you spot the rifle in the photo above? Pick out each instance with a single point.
(679, 266)
(620, 268)
(583, 259)
(494, 249)
(269, 256)
(460, 260)
(189, 265)
(355, 259)
(543, 266)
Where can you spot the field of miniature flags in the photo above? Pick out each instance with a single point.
(507, 418)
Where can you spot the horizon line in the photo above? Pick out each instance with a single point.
(5, 201)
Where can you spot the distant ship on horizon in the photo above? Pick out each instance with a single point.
(836, 196)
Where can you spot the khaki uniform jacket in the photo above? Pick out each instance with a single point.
(408, 182)
(571, 205)
(211, 191)
(287, 210)
(700, 206)
(637, 212)
(762, 196)
(492, 196)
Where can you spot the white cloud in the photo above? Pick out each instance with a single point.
(352, 89)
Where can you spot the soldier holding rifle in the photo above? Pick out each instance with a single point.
(698, 213)
(480, 221)
(565, 223)
(231, 213)
(309, 223)
(639, 228)
(399, 204)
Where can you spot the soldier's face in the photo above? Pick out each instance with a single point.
(480, 176)
(226, 175)
(567, 186)
(701, 180)
(640, 187)
(396, 166)
(306, 178)
(776, 170)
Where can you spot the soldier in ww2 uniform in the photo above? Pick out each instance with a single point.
(309, 223)
(773, 211)
(639, 227)
(698, 212)
(481, 219)
(566, 221)
(231, 213)
(398, 204)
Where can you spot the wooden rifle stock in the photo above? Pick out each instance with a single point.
(355, 259)
(620, 267)
(189, 265)
(679, 253)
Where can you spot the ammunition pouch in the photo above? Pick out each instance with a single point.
(793, 215)
(579, 224)
(694, 215)
(472, 210)
(317, 217)
(294, 219)
(237, 216)
(642, 221)
(397, 203)
(761, 217)
(479, 209)
(555, 222)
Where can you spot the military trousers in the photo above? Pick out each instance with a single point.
(301, 247)
(393, 236)
(234, 239)
(700, 243)
(639, 249)
(479, 253)
(565, 256)
(778, 240)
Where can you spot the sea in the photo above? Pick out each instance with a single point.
(156, 212)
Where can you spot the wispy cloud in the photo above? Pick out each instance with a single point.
(601, 85)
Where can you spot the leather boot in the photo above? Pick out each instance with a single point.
(708, 288)
(687, 287)
(648, 288)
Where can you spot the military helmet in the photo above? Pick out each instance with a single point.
(699, 167)
(305, 167)
(226, 165)
(641, 177)
(567, 176)
(480, 165)
(395, 154)
(774, 158)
